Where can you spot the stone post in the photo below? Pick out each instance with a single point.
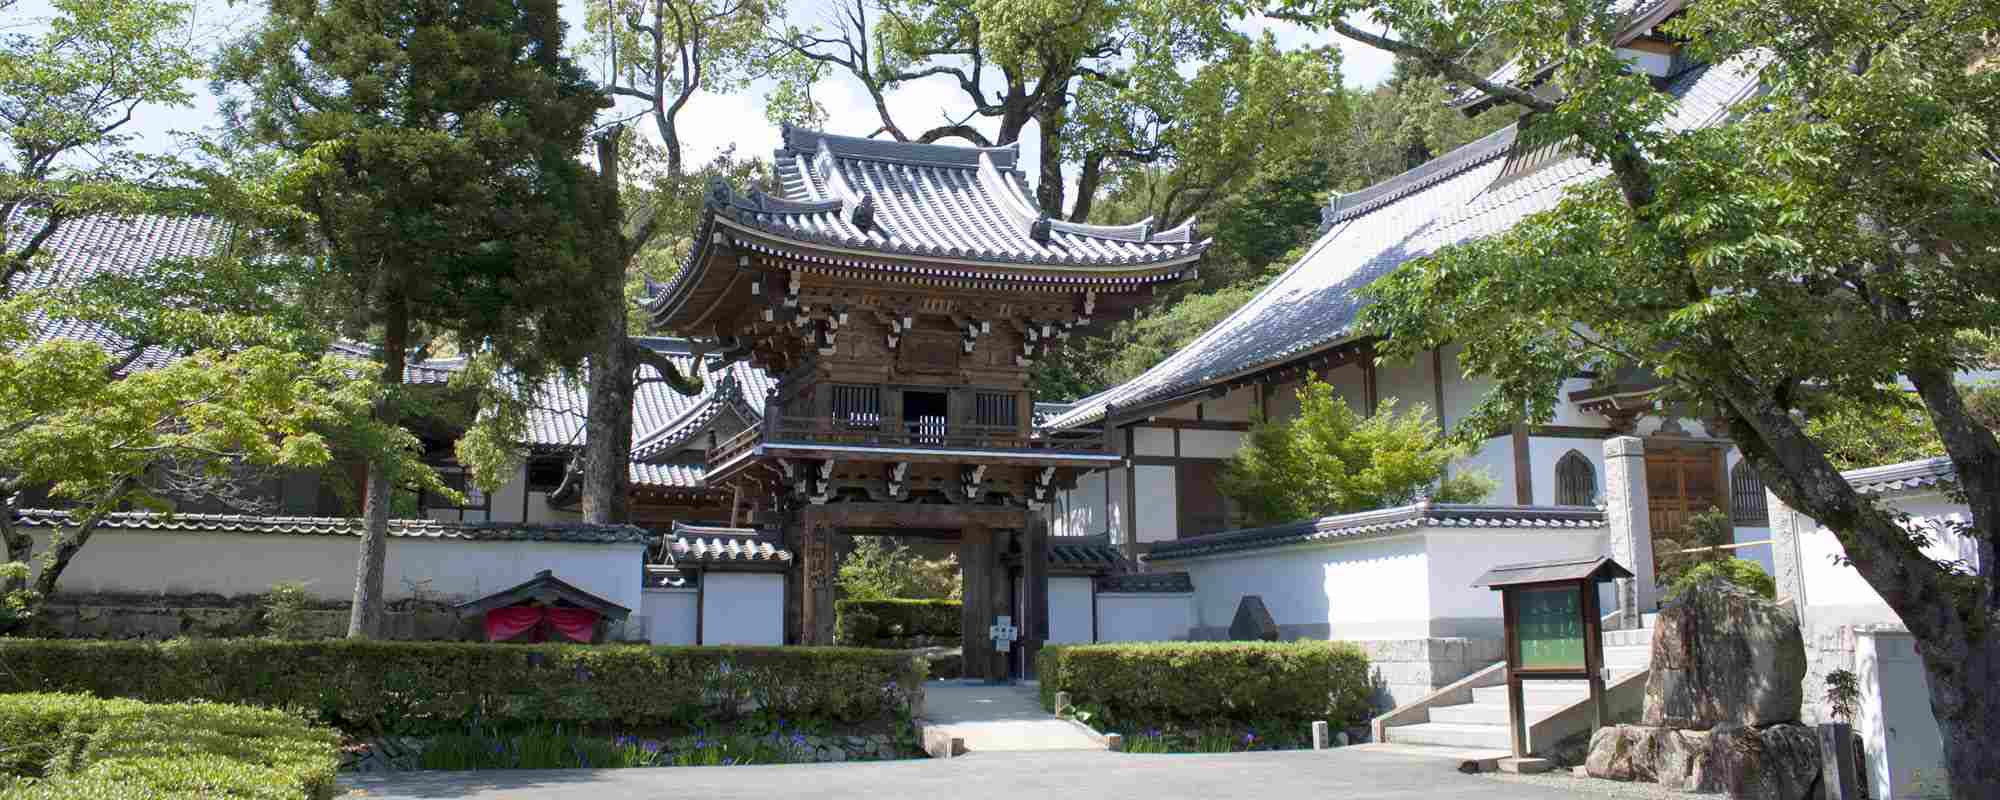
(1787, 525)
(1320, 740)
(1628, 521)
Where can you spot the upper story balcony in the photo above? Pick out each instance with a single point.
(872, 436)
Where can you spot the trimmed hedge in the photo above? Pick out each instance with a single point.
(1208, 682)
(866, 622)
(370, 686)
(63, 746)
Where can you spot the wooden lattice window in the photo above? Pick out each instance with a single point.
(858, 407)
(1746, 496)
(1576, 480)
(995, 409)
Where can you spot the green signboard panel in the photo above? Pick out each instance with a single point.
(1549, 628)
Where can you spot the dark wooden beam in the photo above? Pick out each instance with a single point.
(911, 515)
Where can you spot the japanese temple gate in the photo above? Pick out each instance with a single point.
(899, 294)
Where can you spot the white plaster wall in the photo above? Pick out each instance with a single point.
(670, 615)
(1070, 612)
(1545, 451)
(1117, 517)
(1152, 441)
(1898, 732)
(1232, 407)
(743, 608)
(1760, 553)
(1349, 385)
(1144, 617)
(1836, 594)
(1566, 412)
(1494, 458)
(1158, 516)
(154, 562)
(1082, 511)
(1458, 557)
(1210, 443)
(1284, 402)
(1407, 381)
(1366, 589)
(1461, 393)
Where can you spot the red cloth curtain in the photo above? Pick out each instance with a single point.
(503, 624)
(575, 624)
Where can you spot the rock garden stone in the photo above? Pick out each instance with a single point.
(1777, 762)
(1724, 656)
(1626, 753)
(1253, 622)
(1685, 763)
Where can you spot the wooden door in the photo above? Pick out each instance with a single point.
(1679, 483)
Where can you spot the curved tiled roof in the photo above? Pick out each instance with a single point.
(1147, 582)
(122, 245)
(347, 526)
(658, 412)
(1388, 520)
(666, 476)
(714, 544)
(930, 200)
(1908, 476)
(1454, 199)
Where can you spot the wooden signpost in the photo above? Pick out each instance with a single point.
(1554, 629)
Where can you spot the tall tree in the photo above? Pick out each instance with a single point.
(69, 90)
(1837, 236)
(1102, 81)
(662, 53)
(434, 146)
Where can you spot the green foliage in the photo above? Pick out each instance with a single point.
(364, 686)
(1203, 683)
(1740, 571)
(286, 607)
(892, 622)
(62, 746)
(553, 747)
(879, 570)
(1331, 460)
(1858, 433)
(1843, 694)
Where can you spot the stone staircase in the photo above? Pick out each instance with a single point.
(1482, 723)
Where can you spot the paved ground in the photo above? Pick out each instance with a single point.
(1000, 718)
(1346, 773)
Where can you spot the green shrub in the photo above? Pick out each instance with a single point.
(1209, 682)
(286, 610)
(61, 746)
(400, 687)
(901, 619)
(1740, 571)
(878, 568)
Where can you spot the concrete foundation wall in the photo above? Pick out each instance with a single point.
(1405, 670)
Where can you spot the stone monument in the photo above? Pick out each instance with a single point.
(1253, 622)
(1722, 702)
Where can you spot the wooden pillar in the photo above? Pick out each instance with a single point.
(1370, 395)
(794, 538)
(817, 621)
(1034, 622)
(976, 559)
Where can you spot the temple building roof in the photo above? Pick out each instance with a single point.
(1478, 190)
(662, 419)
(919, 213)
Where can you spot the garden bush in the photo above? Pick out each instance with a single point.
(64, 746)
(413, 687)
(1203, 683)
(896, 623)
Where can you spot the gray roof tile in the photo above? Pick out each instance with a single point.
(1908, 476)
(1388, 520)
(714, 544)
(348, 526)
(1147, 582)
(1450, 200)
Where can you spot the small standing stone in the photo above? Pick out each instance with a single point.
(1340, 739)
(1253, 621)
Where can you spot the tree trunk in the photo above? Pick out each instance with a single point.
(1965, 697)
(1049, 189)
(607, 438)
(364, 619)
(60, 552)
(1086, 187)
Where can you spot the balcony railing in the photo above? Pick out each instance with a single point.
(872, 431)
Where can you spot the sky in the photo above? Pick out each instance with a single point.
(711, 122)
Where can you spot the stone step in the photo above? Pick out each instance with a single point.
(1446, 734)
(1628, 657)
(1535, 693)
(1639, 638)
(1485, 713)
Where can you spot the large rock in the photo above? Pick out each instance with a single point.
(1253, 622)
(1725, 656)
(1779, 762)
(1686, 764)
(1626, 752)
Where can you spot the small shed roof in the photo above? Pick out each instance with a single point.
(1599, 569)
(546, 588)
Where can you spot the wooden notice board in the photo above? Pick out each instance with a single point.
(1550, 629)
